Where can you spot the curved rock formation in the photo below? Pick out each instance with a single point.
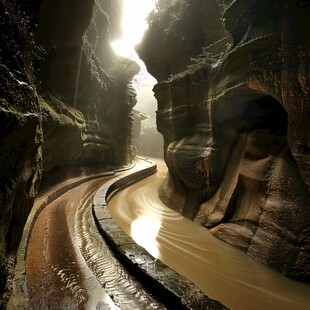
(236, 123)
(65, 100)
(81, 70)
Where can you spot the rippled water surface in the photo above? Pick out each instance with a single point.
(68, 264)
(222, 272)
(57, 276)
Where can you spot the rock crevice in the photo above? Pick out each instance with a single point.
(65, 100)
(234, 116)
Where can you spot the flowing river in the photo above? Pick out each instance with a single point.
(69, 265)
(221, 271)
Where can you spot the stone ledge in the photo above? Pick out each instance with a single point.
(170, 288)
(19, 297)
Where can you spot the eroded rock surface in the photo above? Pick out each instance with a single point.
(20, 134)
(65, 100)
(236, 121)
(87, 102)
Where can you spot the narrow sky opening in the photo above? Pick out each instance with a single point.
(134, 25)
(144, 231)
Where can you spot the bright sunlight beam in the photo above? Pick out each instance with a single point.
(133, 26)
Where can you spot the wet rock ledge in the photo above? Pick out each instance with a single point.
(170, 288)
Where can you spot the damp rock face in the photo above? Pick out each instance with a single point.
(20, 134)
(65, 100)
(88, 101)
(234, 112)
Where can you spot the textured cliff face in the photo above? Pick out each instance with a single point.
(21, 131)
(65, 99)
(180, 30)
(236, 125)
(81, 70)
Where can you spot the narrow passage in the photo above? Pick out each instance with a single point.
(222, 272)
(59, 277)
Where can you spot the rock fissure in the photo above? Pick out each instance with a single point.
(233, 109)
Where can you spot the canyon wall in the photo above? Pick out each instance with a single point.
(65, 100)
(234, 111)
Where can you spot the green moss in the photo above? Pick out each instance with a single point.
(12, 117)
(56, 111)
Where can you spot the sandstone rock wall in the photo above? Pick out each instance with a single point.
(178, 32)
(63, 102)
(20, 134)
(79, 70)
(235, 122)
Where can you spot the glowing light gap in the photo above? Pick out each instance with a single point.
(133, 26)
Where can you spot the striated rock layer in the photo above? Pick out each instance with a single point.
(20, 134)
(65, 100)
(236, 122)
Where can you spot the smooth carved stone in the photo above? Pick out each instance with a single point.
(236, 128)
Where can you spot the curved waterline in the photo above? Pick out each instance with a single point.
(221, 271)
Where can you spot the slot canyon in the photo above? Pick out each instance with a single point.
(194, 197)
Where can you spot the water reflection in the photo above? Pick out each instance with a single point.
(221, 271)
(144, 231)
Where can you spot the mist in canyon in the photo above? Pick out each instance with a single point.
(218, 89)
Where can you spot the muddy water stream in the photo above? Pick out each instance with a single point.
(68, 264)
(222, 272)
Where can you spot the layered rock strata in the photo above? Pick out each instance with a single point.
(65, 100)
(82, 77)
(236, 124)
(20, 135)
